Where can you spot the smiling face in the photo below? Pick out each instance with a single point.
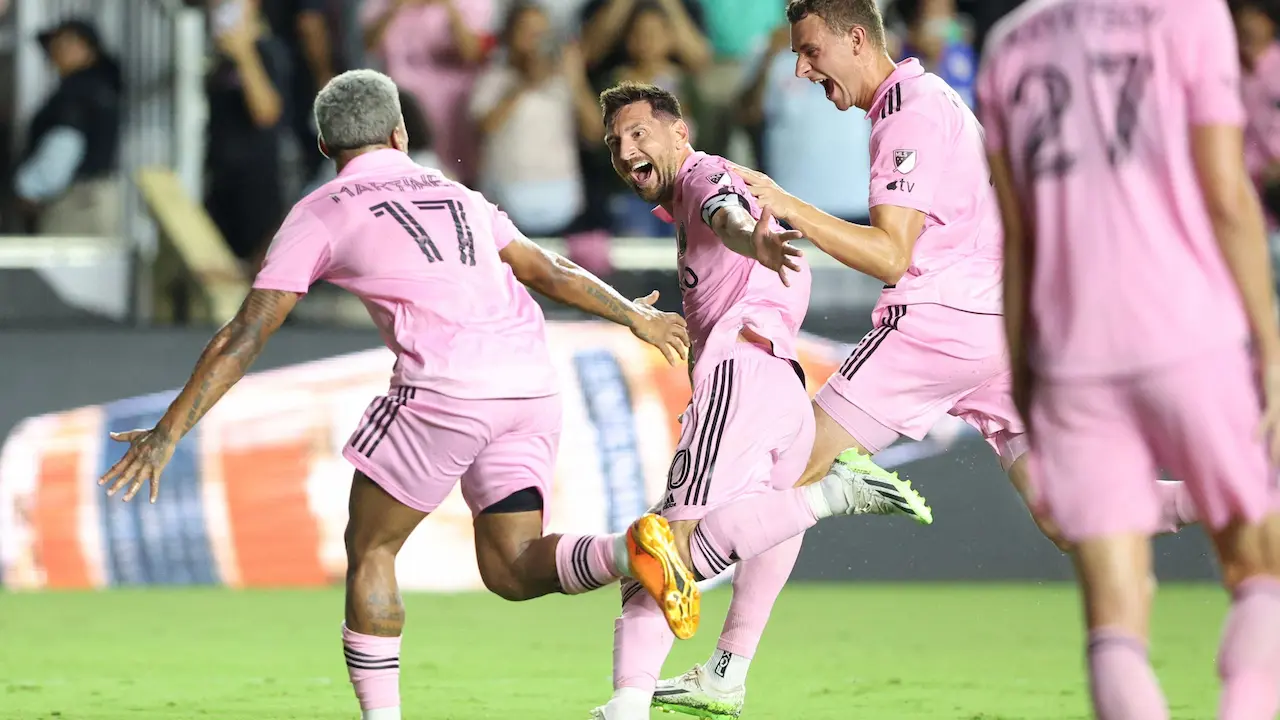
(647, 149)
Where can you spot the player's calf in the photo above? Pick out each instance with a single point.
(376, 530)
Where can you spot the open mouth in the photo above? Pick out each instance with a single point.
(829, 86)
(642, 172)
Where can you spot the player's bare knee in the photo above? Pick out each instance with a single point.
(1248, 550)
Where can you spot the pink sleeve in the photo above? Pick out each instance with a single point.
(909, 153)
(299, 254)
(711, 187)
(989, 110)
(504, 231)
(1211, 75)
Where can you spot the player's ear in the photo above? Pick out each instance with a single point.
(324, 149)
(858, 39)
(682, 130)
(400, 138)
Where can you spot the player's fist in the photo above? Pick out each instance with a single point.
(663, 330)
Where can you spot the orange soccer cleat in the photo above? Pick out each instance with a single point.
(656, 565)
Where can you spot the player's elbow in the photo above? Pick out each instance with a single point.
(893, 268)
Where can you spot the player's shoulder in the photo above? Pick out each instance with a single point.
(709, 168)
(925, 99)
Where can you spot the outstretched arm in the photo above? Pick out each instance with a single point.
(224, 361)
(755, 239)
(563, 281)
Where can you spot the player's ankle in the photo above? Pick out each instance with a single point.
(726, 671)
(828, 497)
(621, 555)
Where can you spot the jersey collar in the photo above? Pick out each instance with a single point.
(377, 160)
(909, 68)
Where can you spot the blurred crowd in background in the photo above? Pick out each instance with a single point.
(500, 94)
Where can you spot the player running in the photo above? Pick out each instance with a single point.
(473, 397)
(938, 344)
(1135, 268)
(745, 289)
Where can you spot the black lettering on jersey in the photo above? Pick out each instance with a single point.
(411, 226)
(682, 240)
(902, 185)
(1047, 92)
(688, 278)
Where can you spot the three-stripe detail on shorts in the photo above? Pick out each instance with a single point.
(580, 566)
(716, 417)
(872, 340)
(378, 424)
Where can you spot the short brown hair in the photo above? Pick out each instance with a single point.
(841, 16)
(629, 93)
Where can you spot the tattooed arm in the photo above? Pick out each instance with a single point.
(224, 361)
(563, 281)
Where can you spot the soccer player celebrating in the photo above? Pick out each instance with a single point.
(1136, 271)
(938, 344)
(748, 428)
(473, 396)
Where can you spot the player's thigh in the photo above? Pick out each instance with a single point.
(508, 486)
(1092, 470)
(833, 419)
(989, 409)
(750, 415)
(376, 521)
(412, 445)
(1115, 579)
(1204, 414)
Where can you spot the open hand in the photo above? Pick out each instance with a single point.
(149, 451)
(663, 330)
(774, 249)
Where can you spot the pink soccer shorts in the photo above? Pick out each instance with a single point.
(921, 362)
(1099, 445)
(748, 429)
(417, 444)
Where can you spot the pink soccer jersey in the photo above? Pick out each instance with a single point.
(1261, 91)
(421, 252)
(722, 290)
(927, 155)
(1093, 102)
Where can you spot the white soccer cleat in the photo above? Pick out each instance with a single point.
(872, 490)
(691, 694)
(605, 713)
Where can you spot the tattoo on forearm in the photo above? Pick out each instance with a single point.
(612, 308)
(241, 341)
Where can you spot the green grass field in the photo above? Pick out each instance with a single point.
(837, 652)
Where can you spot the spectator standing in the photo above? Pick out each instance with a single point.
(435, 50)
(69, 172)
(806, 145)
(302, 27)
(941, 39)
(649, 51)
(1260, 84)
(246, 107)
(532, 109)
(604, 31)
